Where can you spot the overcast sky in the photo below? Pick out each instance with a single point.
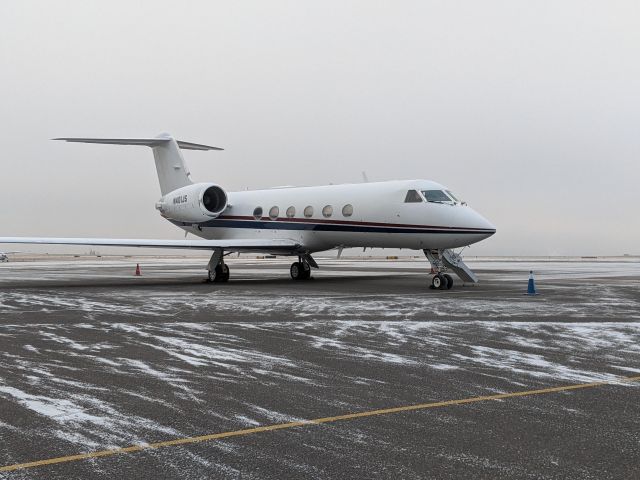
(530, 111)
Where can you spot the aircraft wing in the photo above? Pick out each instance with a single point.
(282, 246)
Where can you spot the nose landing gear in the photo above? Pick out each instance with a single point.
(442, 281)
(447, 260)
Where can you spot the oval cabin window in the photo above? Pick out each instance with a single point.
(274, 212)
(308, 211)
(291, 212)
(327, 211)
(257, 213)
(347, 210)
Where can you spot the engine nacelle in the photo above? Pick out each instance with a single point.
(194, 203)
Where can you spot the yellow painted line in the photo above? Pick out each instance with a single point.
(302, 423)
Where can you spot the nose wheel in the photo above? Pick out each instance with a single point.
(442, 281)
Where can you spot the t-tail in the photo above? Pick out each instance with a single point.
(173, 172)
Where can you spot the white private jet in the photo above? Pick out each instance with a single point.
(4, 256)
(299, 221)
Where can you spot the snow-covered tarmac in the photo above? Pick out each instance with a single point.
(93, 358)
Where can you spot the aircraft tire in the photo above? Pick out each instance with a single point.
(225, 273)
(449, 280)
(211, 275)
(219, 274)
(306, 271)
(437, 281)
(297, 271)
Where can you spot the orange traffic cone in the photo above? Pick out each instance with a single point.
(138, 273)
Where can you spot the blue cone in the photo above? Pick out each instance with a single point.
(531, 288)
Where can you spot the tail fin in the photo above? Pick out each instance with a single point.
(172, 170)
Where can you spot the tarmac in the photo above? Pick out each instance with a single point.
(360, 372)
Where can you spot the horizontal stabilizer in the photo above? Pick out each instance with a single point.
(195, 146)
(148, 142)
(238, 245)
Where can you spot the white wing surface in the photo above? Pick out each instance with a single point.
(238, 245)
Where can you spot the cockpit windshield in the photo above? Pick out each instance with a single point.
(437, 196)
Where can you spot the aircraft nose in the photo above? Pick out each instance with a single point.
(488, 225)
(484, 224)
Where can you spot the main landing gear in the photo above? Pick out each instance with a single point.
(219, 274)
(300, 270)
(218, 271)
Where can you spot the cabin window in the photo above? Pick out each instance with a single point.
(327, 211)
(291, 212)
(274, 212)
(347, 210)
(257, 213)
(308, 211)
(436, 196)
(412, 197)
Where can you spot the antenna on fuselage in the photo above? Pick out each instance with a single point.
(365, 179)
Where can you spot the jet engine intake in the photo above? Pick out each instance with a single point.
(214, 200)
(194, 203)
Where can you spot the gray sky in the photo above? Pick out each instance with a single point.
(528, 110)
